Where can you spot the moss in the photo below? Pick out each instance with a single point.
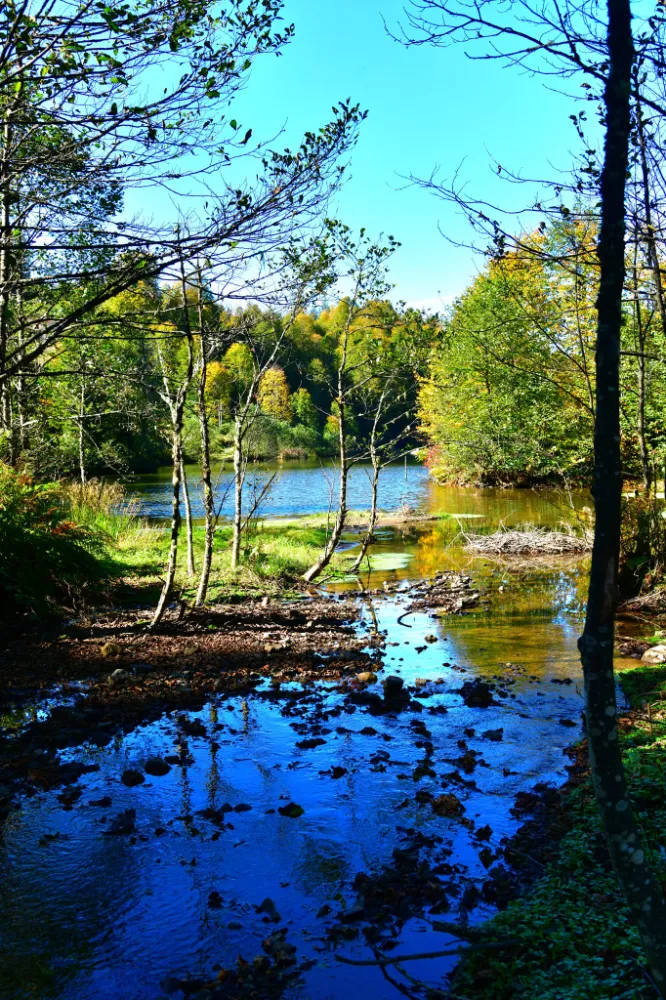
(637, 682)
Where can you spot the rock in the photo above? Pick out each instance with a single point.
(234, 925)
(117, 678)
(366, 677)
(130, 777)
(496, 735)
(324, 910)
(214, 900)
(447, 805)
(269, 908)
(111, 649)
(655, 654)
(430, 638)
(316, 741)
(393, 686)
(102, 803)
(355, 912)
(476, 694)
(156, 767)
(338, 772)
(123, 824)
(291, 810)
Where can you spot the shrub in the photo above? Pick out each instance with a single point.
(48, 557)
(643, 544)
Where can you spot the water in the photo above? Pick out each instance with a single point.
(298, 488)
(85, 915)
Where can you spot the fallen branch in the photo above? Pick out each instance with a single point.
(447, 952)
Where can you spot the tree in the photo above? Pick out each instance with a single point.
(303, 409)
(363, 264)
(571, 38)
(273, 394)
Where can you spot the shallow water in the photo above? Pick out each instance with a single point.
(86, 915)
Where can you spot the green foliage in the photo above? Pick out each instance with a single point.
(303, 410)
(575, 939)
(643, 543)
(510, 392)
(48, 556)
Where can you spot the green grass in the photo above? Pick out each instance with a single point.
(575, 939)
(274, 557)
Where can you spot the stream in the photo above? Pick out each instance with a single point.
(87, 915)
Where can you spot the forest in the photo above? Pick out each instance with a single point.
(332, 610)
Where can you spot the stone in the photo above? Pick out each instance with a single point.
(655, 654)
(447, 805)
(123, 824)
(131, 777)
(495, 735)
(393, 686)
(292, 810)
(156, 767)
(117, 678)
(111, 649)
(366, 677)
(269, 908)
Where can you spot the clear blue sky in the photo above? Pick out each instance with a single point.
(427, 107)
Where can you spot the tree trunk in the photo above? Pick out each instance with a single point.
(341, 516)
(642, 891)
(177, 410)
(82, 450)
(206, 478)
(188, 518)
(238, 493)
(640, 350)
(177, 464)
(376, 469)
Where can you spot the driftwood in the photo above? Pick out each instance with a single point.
(529, 541)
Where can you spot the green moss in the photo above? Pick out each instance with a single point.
(637, 682)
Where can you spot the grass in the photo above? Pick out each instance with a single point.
(575, 939)
(273, 559)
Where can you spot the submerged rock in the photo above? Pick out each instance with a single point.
(131, 778)
(447, 805)
(477, 694)
(123, 824)
(292, 810)
(156, 767)
(269, 908)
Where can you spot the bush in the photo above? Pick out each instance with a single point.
(643, 544)
(48, 556)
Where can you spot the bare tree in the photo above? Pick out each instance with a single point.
(362, 263)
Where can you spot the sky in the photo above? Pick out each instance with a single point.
(427, 108)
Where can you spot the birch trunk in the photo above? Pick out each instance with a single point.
(188, 517)
(206, 477)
